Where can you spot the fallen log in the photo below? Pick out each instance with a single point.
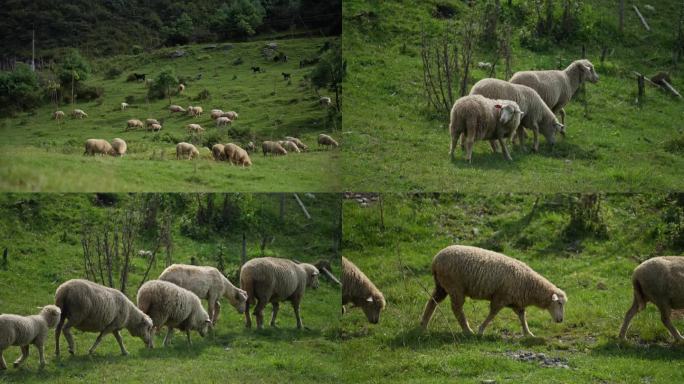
(643, 20)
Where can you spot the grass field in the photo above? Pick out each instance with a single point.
(37, 154)
(392, 142)
(42, 234)
(593, 269)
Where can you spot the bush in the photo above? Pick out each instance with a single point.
(113, 73)
(87, 93)
(238, 61)
(131, 77)
(203, 95)
(130, 99)
(19, 90)
(136, 49)
(163, 85)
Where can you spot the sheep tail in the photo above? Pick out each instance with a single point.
(639, 297)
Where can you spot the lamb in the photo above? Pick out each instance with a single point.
(361, 292)
(223, 121)
(173, 306)
(478, 118)
(556, 87)
(325, 101)
(298, 142)
(241, 157)
(78, 114)
(91, 307)
(119, 147)
(58, 115)
(155, 127)
(23, 331)
(186, 151)
(98, 146)
(232, 115)
(216, 113)
(134, 123)
(273, 147)
(195, 111)
(289, 146)
(461, 271)
(181, 88)
(124, 106)
(217, 152)
(271, 280)
(196, 128)
(658, 280)
(538, 117)
(326, 141)
(207, 283)
(149, 122)
(176, 109)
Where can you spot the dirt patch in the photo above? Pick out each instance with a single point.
(540, 358)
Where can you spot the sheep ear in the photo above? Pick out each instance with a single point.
(370, 299)
(554, 297)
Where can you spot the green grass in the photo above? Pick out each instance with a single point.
(594, 272)
(393, 143)
(42, 232)
(37, 154)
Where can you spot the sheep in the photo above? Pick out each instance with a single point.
(461, 271)
(176, 109)
(134, 123)
(361, 292)
(271, 279)
(173, 306)
(58, 115)
(241, 157)
(325, 101)
(155, 127)
(78, 114)
(181, 88)
(223, 121)
(91, 307)
(289, 146)
(658, 280)
(538, 117)
(229, 151)
(98, 146)
(149, 122)
(326, 141)
(196, 128)
(186, 151)
(273, 147)
(216, 113)
(124, 106)
(556, 87)
(232, 115)
(119, 147)
(298, 142)
(207, 283)
(484, 65)
(478, 118)
(23, 331)
(217, 152)
(195, 111)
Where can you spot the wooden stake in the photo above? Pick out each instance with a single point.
(643, 21)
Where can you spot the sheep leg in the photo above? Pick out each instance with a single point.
(493, 311)
(96, 343)
(248, 319)
(495, 147)
(41, 355)
(68, 336)
(667, 321)
(562, 115)
(187, 333)
(259, 313)
(438, 295)
(633, 310)
(3, 364)
(454, 142)
(169, 334)
(23, 357)
(276, 307)
(58, 331)
(504, 149)
(535, 131)
(470, 140)
(457, 301)
(295, 306)
(217, 311)
(523, 321)
(119, 340)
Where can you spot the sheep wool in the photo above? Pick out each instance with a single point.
(23, 331)
(360, 291)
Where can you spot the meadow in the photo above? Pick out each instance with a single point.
(393, 142)
(38, 154)
(42, 233)
(394, 242)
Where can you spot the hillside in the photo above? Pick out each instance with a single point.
(42, 233)
(590, 259)
(394, 142)
(38, 154)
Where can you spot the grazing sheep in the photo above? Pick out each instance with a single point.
(98, 146)
(361, 292)
(195, 111)
(223, 121)
(658, 280)
(298, 142)
(176, 109)
(461, 271)
(124, 106)
(91, 307)
(119, 147)
(216, 113)
(207, 283)
(229, 150)
(172, 306)
(134, 123)
(186, 151)
(230, 114)
(181, 88)
(289, 146)
(58, 115)
(326, 141)
(23, 331)
(217, 151)
(149, 122)
(555, 87)
(241, 157)
(273, 147)
(250, 147)
(196, 128)
(479, 118)
(484, 65)
(272, 280)
(325, 101)
(538, 117)
(155, 127)
(78, 114)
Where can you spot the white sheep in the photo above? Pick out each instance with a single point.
(660, 281)
(462, 271)
(195, 111)
(326, 141)
(241, 157)
(232, 115)
(176, 109)
(216, 113)
(223, 121)
(98, 146)
(196, 128)
(538, 116)
(22, 331)
(155, 127)
(476, 117)
(273, 147)
(181, 88)
(298, 142)
(360, 291)
(272, 280)
(289, 145)
(149, 122)
(133, 123)
(186, 151)
(556, 87)
(119, 147)
(78, 114)
(124, 106)
(91, 307)
(207, 283)
(325, 101)
(58, 115)
(217, 152)
(172, 306)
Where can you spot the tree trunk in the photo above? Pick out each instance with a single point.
(621, 15)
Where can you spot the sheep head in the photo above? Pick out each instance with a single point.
(372, 307)
(509, 112)
(311, 275)
(142, 328)
(587, 71)
(51, 315)
(557, 305)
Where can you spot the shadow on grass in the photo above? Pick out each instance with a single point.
(417, 338)
(641, 350)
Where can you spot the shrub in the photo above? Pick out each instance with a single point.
(203, 95)
(136, 49)
(86, 92)
(113, 73)
(238, 61)
(19, 90)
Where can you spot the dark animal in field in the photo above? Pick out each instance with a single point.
(139, 76)
(286, 76)
(280, 57)
(256, 69)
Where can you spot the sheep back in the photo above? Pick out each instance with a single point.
(171, 305)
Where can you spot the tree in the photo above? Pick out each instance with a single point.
(330, 72)
(19, 89)
(163, 84)
(240, 18)
(179, 31)
(73, 66)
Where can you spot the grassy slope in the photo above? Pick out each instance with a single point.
(392, 144)
(41, 259)
(596, 281)
(39, 155)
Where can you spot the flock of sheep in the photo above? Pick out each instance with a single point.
(497, 110)
(463, 271)
(173, 301)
